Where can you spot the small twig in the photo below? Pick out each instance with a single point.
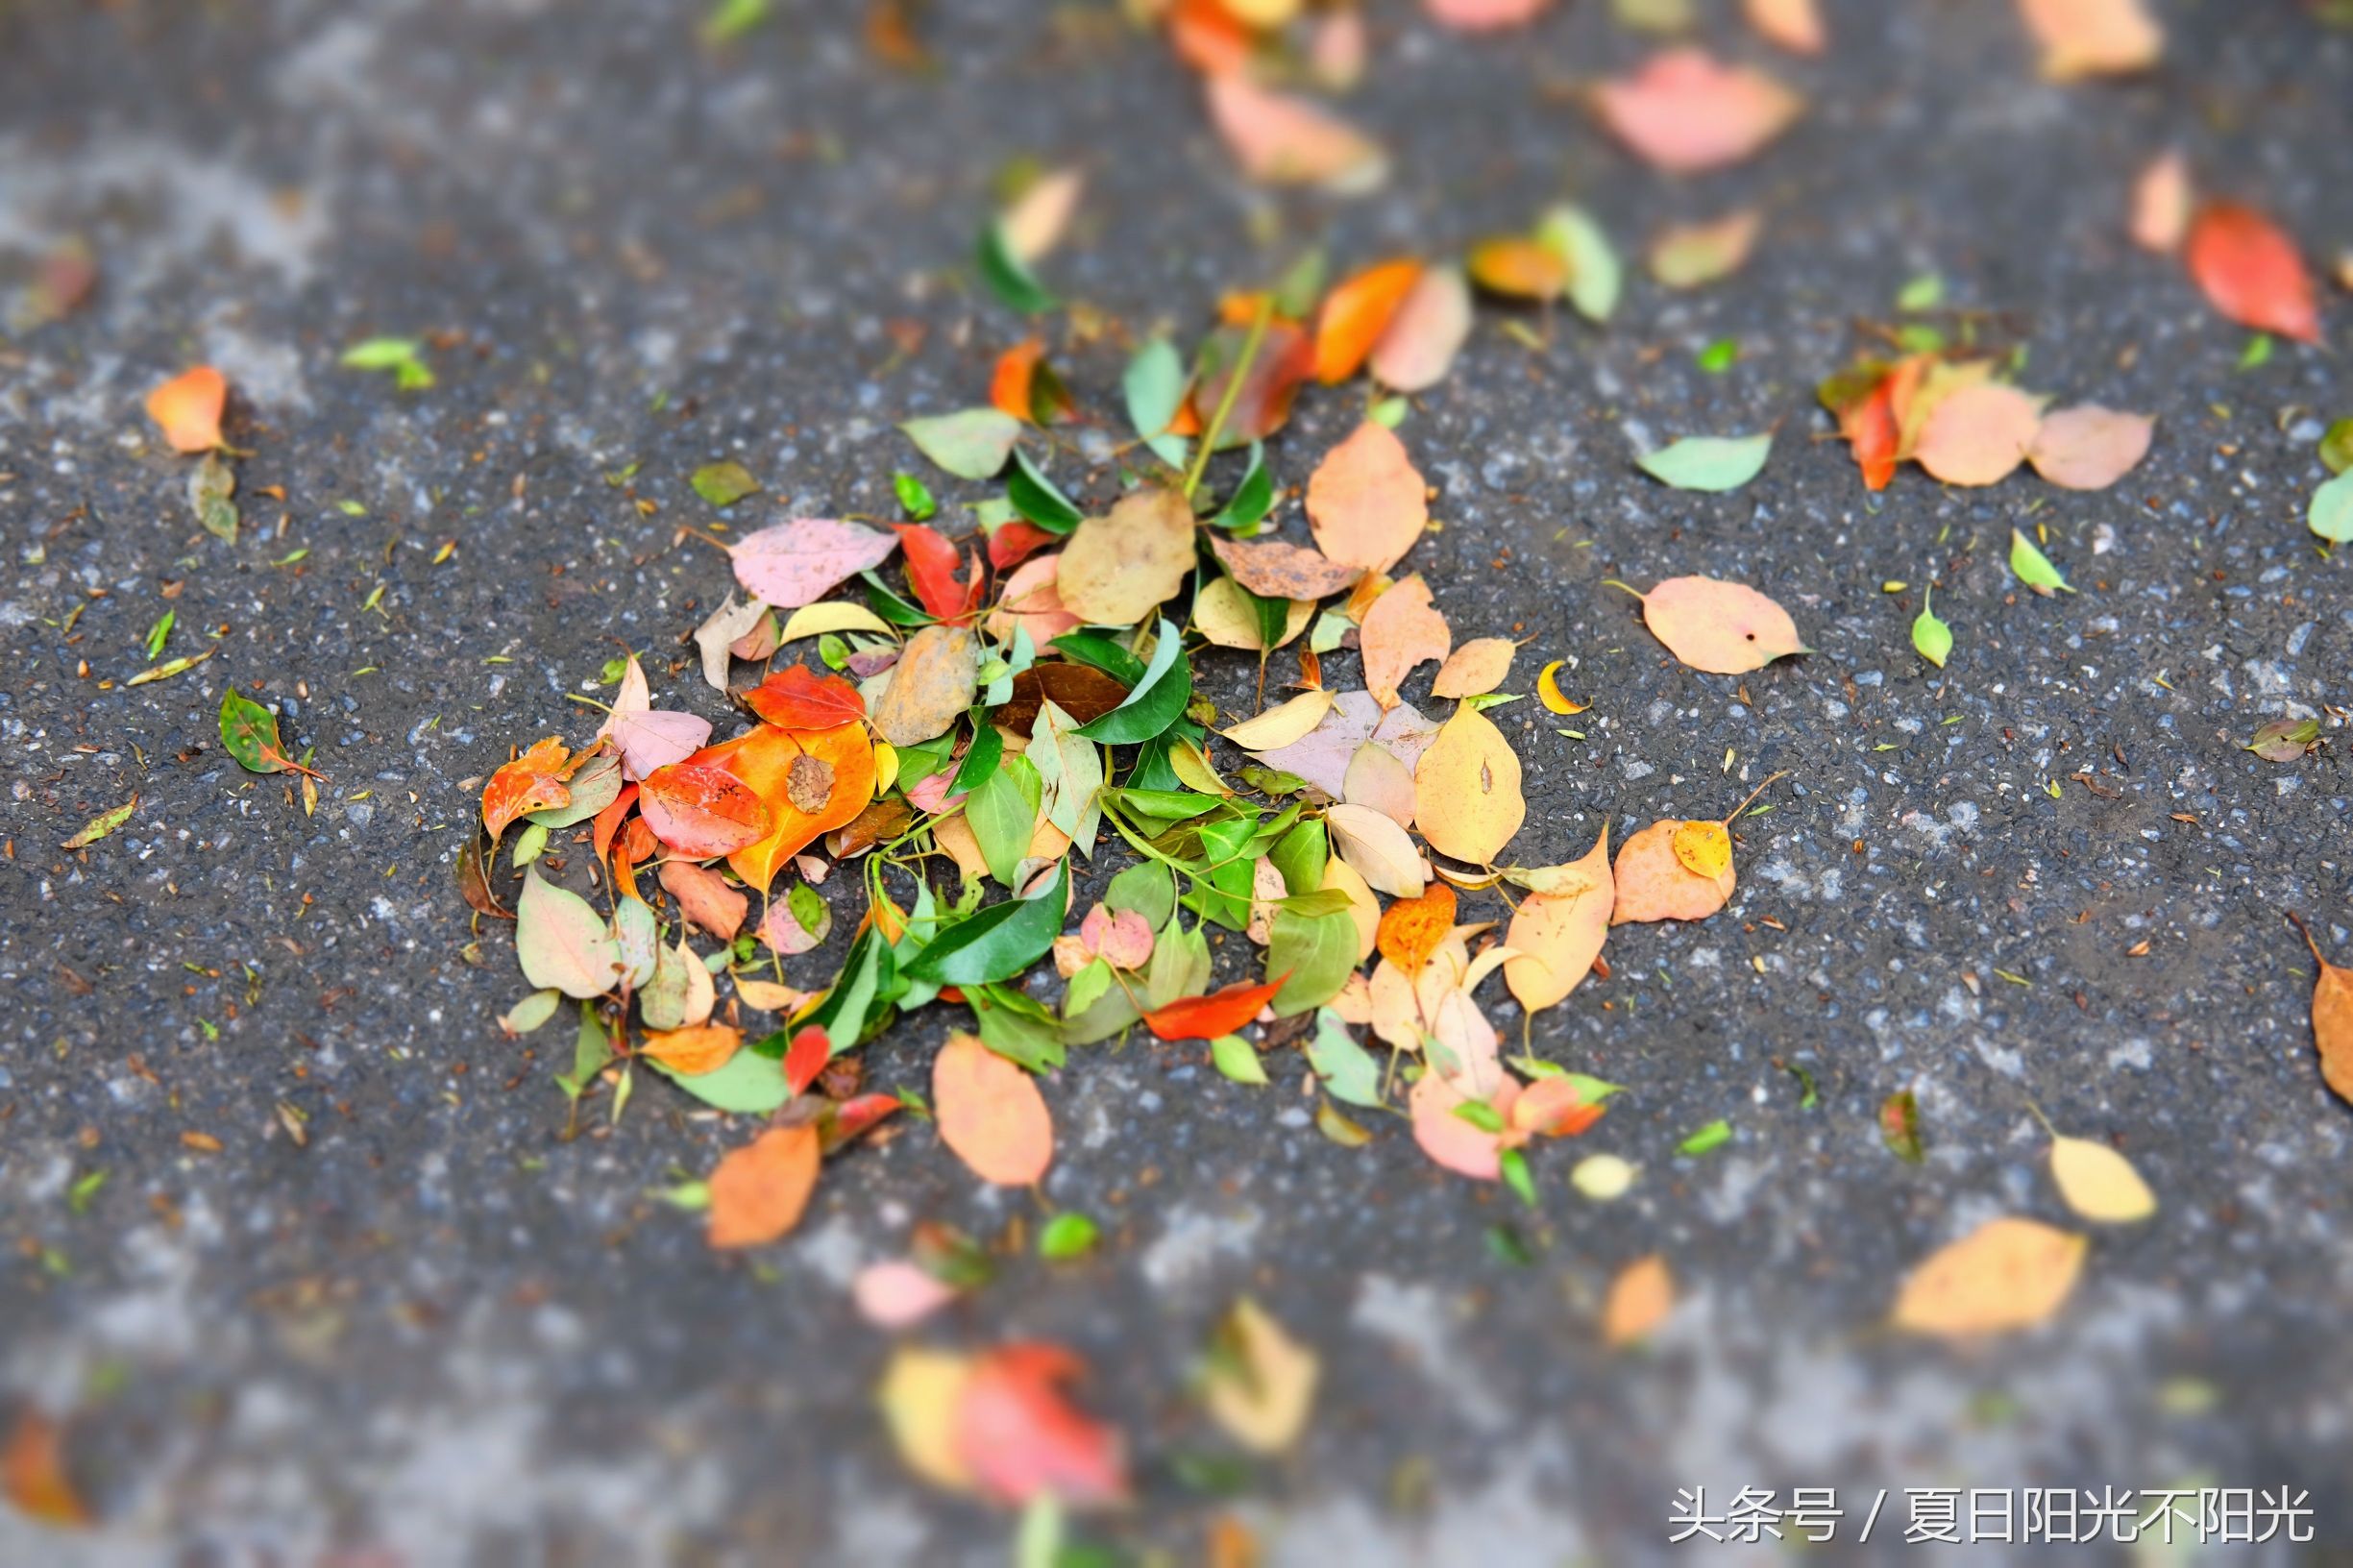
(1234, 386)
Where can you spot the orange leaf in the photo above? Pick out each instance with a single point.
(1419, 347)
(1021, 1438)
(1402, 630)
(990, 1113)
(760, 1190)
(1557, 937)
(2092, 38)
(2161, 204)
(806, 1057)
(1208, 38)
(1640, 1298)
(1521, 268)
(1355, 313)
(532, 782)
(1653, 884)
(694, 1052)
(2251, 272)
(1412, 928)
(2332, 1019)
(798, 697)
(698, 809)
(1725, 628)
(188, 407)
(1209, 1018)
(764, 760)
(33, 1473)
(1283, 140)
(1978, 435)
(1366, 501)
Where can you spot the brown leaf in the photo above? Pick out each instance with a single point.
(760, 1190)
(1117, 568)
(1271, 568)
(1080, 690)
(1401, 631)
(930, 686)
(1366, 503)
(2008, 1273)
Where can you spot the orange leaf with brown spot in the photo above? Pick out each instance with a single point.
(759, 1191)
(188, 407)
(1210, 1018)
(764, 760)
(1412, 928)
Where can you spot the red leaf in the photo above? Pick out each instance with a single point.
(533, 782)
(931, 571)
(798, 697)
(1871, 432)
(1022, 1438)
(608, 820)
(1012, 543)
(698, 809)
(806, 1057)
(1208, 1017)
(2251, 272)
(857, 1116)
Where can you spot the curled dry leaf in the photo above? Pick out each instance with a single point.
(931, 685)
(1641, 1299)
(2251, 272)
(1685, 112)
(1376, 849)
(1401, 631)
(1281, 726)
(798, 562)
(1687, 255)
(1554, 936)
(1356, 314)
(2161, 203)
(1475, 669)
(705, 899)
(721, 630)
(1466, 791)
(1979, 433)
(1283, 140)
(1366, 503)
(1796, 25)
(1260, 1383)
(188, 408)
(2090, 448)
(1654, 883)
(759, 1191)
(1274, 570)
(1725, 628)
(990, 1113)
(2092, 38)
(2332, 1021)
(1427, 332)
(2099, 1184)
(1117, 568)
(2008, 1273)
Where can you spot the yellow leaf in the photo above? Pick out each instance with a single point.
(2008, 1273)
(1548, 691)
(1279, 726)
(1706, 848)
(2099, 1183)
(1554, 939)
(835, 615)
(1467, 790)
(1223, 616)
(919, 1394)
(1261, 1382)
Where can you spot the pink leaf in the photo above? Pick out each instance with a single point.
(798, 562)
(1419, 345)
(2090, 448)
(1978, 435)
(1284, 140)
(1685, 112)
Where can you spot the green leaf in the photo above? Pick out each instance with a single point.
(210, 484)
(1148, 889)
(531, 1011)
(102, 824)
(2034, 567)
(1899, 1126)
(980, 759)
(2336, 447)
(1595, 277)
(1156, 703)
(913, 499)
(595, 787)
(1253, 497)
(1318, 951)
(1016, 1028)
(591, 1049)
(1709, 462)
(381, 353)
(747, 1084)
(723, 484)
(2284, 740)
(809, 910)
(1719, 356)
(1238, 1060)
(2331, 510)
(249, 732)
(1092, 648)
(1481, 1114)
(1067, 1235)
(1300, 855)
(1002, 812)
(730, 19)
(1512, 1164)
(1301, 286)
(2257, 353)
(996, 942)
(1037, 499)
(1925, 292)
(160, 633)
(1347, 1069)
(1086, 987)
(1714, 1136)
(1007, 276)
(860, 1002)
(1154, 387)
(889, 605)
(1388, 413)
(970, 443)
(1930, 635)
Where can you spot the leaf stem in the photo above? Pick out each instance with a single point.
(1234, 386)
